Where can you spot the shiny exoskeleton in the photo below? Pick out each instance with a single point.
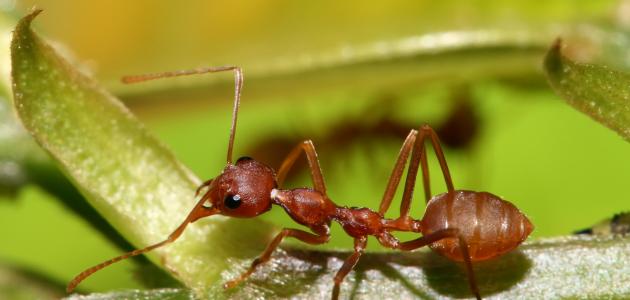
(462, 225)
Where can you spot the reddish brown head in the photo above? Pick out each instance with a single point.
(242, 190)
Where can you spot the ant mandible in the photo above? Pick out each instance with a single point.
(464, 226)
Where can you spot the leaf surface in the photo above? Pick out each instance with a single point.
(568, 267)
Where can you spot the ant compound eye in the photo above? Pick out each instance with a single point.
(243, 158)
(232, 201)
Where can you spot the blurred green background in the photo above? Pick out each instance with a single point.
(353, 77)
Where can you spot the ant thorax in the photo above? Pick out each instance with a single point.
(306, 206)
(359, 221)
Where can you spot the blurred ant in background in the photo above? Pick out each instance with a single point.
(377, 123)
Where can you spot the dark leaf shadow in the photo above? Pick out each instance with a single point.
(50, 179)
(492, 276)
(421, 274)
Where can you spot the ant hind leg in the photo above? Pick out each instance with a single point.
(419, 159)
(425, 131)
(463, 246)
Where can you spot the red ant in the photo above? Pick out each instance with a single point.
(461, 225)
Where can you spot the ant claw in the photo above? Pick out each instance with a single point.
(230, 284)
(203, 185)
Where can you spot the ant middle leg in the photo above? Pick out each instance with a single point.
(309, 238)
(313, 163)
(359, 245)
(463, 246)
(394, 178)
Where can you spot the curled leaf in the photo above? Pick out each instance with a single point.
(123, 171)
(597, 90)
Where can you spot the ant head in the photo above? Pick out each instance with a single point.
(243, 189)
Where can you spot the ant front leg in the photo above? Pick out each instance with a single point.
(202, 186)
(348, 265)
(463, 246)
(419, 157)
(313, 163)
(303, 236)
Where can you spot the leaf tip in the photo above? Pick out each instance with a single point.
(553, 59)
(557, 45)
(34, 12)
(21, 31)
(25, 22)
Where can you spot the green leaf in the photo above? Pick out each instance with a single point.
(378, 55)
(599, 91)
(451, 56)
(156, 294)
(560, 268)
(547, 267)
(23, 162)
(141, 188)
(19, 154)
(123, 171)
(322, 40)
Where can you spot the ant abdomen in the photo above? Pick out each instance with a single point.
(490, 225)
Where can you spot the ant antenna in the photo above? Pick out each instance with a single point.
(198, 212)
(238, 85)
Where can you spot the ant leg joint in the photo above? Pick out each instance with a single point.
(426, 126)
